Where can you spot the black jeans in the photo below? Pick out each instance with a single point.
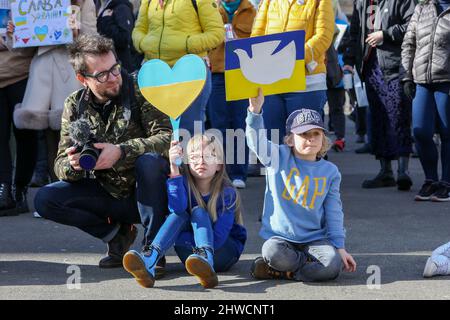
(26, 140)
(336, 102)
(85, 204)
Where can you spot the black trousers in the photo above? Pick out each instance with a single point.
(85, 204)
(336, 101)
(26, 140)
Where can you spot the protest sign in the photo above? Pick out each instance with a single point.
(41, 22)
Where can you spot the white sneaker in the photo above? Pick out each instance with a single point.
(443, 250)
(239, 184)
(437, 265)
(36, 215)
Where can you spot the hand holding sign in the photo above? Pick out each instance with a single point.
(172, 91)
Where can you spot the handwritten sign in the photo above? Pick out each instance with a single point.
(41, 22)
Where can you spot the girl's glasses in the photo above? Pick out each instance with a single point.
(197, 158)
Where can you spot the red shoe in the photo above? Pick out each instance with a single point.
(339, 145)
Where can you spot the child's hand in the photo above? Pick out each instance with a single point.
(175, 152)
(10, 29)
(347, 259)
(256, 103)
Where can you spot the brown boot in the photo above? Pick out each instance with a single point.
(118, 246)
(261, 270)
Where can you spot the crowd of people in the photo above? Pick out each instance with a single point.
(398, 50)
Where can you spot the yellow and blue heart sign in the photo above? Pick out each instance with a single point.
(172, 90)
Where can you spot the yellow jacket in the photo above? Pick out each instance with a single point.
(316, 17)
(177, 29)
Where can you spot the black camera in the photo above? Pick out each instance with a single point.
(88, 156)
(81, 135)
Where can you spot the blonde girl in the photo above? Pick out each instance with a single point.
(205, 222)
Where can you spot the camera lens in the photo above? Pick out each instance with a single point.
(88, 157)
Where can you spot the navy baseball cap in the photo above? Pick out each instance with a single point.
(304, 120)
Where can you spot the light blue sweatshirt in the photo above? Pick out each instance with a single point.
(302, 201)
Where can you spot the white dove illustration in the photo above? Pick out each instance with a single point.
(265, 68)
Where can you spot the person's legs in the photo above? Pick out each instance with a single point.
(26, 151)
(323, 262)
(52, 138)
(381, 134)
(219, 113)
(7, 204)
(275, 115)
(238, 170)
(170, 231)
(424, 119)
(41, 176)
(5, 135)
(143, 266)
(398, 110)
(226, 256)
(282, 255)
(442, 99)
(86, 205)
(314, 100)
(336, 101)
(196, 112)
(151, 194)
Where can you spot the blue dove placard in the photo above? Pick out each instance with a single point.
(275, 63)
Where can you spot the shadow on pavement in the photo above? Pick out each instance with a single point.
(28, 272)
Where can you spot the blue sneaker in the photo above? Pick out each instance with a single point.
(201, 265)
(142, 265)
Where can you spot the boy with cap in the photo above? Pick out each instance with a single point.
(302, 219)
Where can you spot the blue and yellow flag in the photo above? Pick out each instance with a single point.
(275, 62)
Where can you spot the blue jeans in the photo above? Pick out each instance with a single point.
(85, 204)
(187, 231)
(196, 112)
(278, 107)
(431, 114)
(314, 261)
(225, 115)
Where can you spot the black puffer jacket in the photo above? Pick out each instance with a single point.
(426, 48)
(118, 27)
(395, 16)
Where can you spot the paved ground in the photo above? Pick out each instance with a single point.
(385, 229)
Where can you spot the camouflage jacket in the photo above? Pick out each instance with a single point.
(144, 129)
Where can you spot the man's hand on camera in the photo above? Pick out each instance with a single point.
(109, 155)
(73, 158)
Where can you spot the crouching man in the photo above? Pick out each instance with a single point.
(126, 183)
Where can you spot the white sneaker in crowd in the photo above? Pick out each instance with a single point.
(437, 266)
(36, 215)
(443, 250)
(239, 184)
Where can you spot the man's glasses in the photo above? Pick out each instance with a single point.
(103, 76)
